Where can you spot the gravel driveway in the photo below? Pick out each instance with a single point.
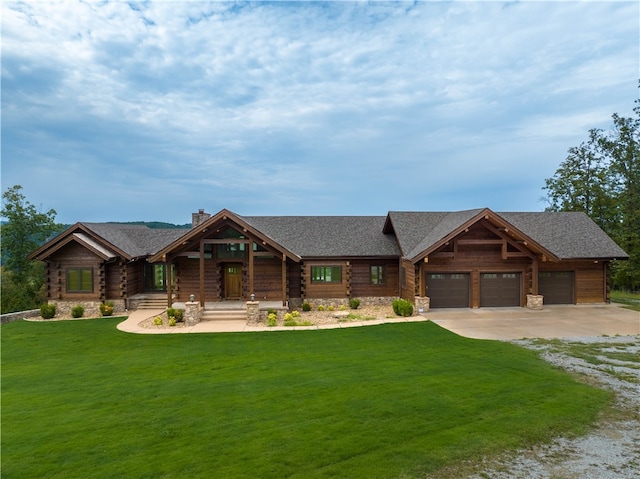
(612, 449)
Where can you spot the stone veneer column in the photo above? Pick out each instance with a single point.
(253, 311)
(534, 301)
(192, 313)
(422, 303)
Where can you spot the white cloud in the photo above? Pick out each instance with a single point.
(274, 100)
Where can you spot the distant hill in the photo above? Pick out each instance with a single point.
(153, 224)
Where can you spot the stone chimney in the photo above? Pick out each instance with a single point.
(199, 218)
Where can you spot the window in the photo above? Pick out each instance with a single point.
(80, 280)
(378, 275)
(326, 274)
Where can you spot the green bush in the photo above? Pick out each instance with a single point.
(306, 306)
(295, 313)
(77, 311)
(106, 309)
(402, 307)
(289, 320)
(354, 303)
(272, 319)
(176, 313)
(172, 321)
(157, 321)
(48, 311)
(321, 308)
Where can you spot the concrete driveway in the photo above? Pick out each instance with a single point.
(561, 321)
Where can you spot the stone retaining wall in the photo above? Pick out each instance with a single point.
(18, 315)
(337, 302)
(91, 308)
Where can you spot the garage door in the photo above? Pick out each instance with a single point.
(448, 290)
(500, 289)
(556, 286)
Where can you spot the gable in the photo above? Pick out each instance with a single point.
(110, 240)
(215, 230)
(554, 235)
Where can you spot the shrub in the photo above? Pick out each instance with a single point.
(106, 309)
(176, 313)
(342, 307)
(272, 319)
(77, 311)
(289, 320)
(306, 306)
(354, 303)
(172, 321)
(47, 311)
(295, 313)
(402, 307)
(321, 308)
(331, 308)
(157, 321)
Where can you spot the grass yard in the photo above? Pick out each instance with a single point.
(82, 399)
(630, 300)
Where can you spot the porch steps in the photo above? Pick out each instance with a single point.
(224, 315)
(153, 303)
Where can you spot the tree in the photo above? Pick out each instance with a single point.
(602, 178)
(24, 231)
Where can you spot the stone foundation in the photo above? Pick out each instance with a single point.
(535, 301)
(337, 302)
(91, 308)
(422, 304)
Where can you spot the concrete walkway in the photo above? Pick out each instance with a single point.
(554, 321)
(563, 321)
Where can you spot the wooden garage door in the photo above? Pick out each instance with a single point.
(556, 286)
(500, 289)
(448, 290)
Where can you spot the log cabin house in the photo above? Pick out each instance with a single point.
(465, 259)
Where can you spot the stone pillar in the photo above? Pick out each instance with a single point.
(421, 304)
(253, 312)
(192, 313)
(534, 301)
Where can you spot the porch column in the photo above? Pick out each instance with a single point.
(534, 276)
(202, 273)
(168, 281)
(251, 291)
(284, 280)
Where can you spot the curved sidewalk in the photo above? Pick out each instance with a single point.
(562, 321)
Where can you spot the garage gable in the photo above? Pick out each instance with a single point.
(421, 234)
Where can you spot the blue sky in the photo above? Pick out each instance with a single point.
(125, 111)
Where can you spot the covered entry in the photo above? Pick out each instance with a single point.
(448, 290)
(556, 287)
(500, 289)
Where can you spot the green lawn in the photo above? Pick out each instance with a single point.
(630, 300)
(82, 399)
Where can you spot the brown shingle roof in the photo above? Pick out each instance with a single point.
(313, 236)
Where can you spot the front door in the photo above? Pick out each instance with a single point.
(233, 281)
